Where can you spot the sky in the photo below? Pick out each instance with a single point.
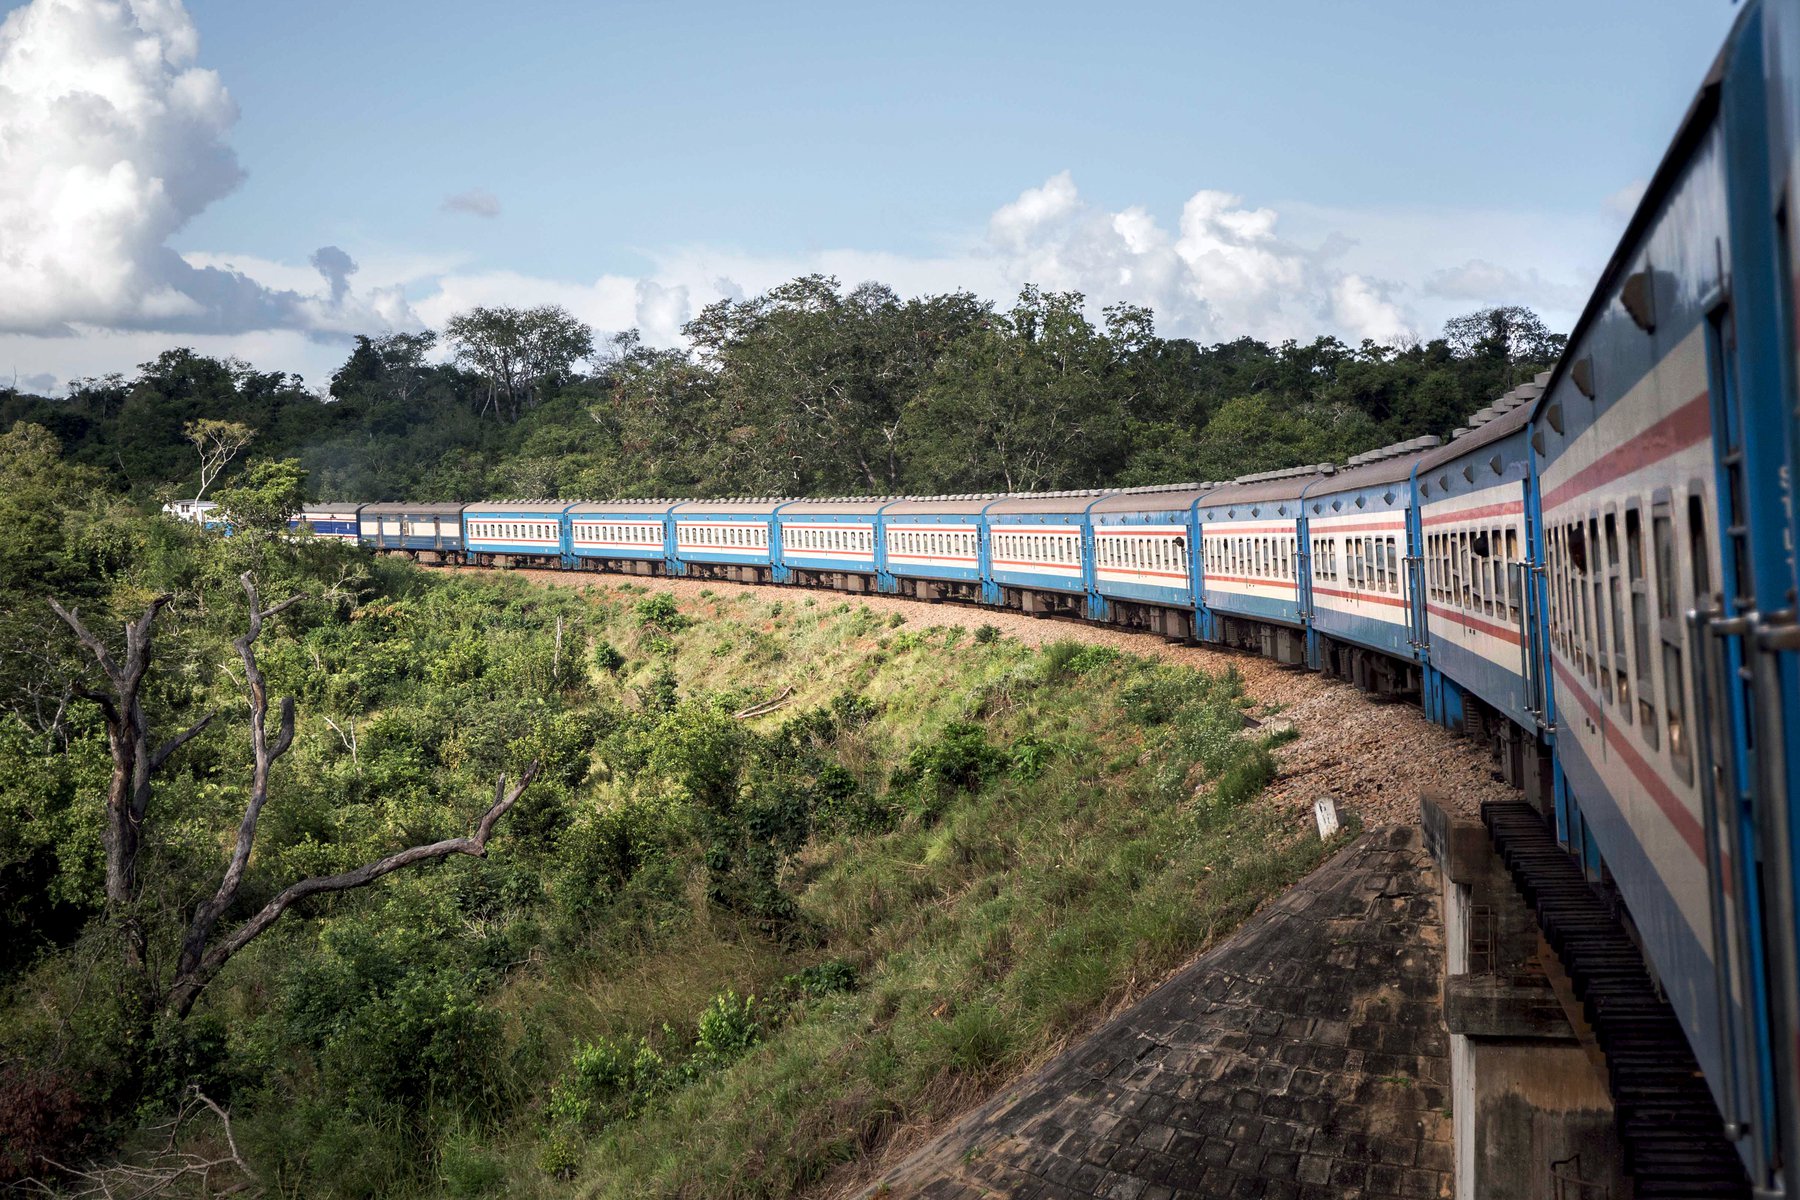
(267, 180)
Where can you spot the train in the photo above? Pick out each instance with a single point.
(1596, 574)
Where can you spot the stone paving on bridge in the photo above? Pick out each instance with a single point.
(1304, 1057)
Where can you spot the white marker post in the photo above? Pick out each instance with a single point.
(1325, 809)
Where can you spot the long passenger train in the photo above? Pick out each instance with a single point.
(1597, 574)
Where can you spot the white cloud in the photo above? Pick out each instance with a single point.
(1220, 273)
(113, 140)
(476, 202)
(1479, 282)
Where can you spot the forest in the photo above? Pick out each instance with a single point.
(809, 389)
(329, 875)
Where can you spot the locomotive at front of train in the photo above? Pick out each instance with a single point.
(1664, 452)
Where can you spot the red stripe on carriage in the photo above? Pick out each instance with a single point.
(1690, 423)
(1460, 617)
(1372, 598)
(1322, 529)
(1510, 508)
(1274, 583)
(1677, 814)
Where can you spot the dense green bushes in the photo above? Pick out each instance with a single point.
(697, 931)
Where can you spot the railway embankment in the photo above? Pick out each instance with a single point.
(1375, 758)
(1304, 1054)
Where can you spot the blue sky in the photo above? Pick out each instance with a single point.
(1278, 169)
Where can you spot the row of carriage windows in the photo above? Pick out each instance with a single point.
(721, 537)
(1361, 564)
(1246, 557)
(857, 538)
(1617, 605)
(637, 533)
(920, 542)
(1476, 570)
(1054, 549)
(513, 531)
(1155, 553)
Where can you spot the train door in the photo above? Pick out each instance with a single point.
(1303, 593)
(1739, 815)
(1760, 635)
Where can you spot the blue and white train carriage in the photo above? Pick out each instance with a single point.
(934, 549)
(516, 533)
(1146, 575)
(725, 539)
(332, 522)
(830, 543)
(1038, 550)
(1252, 566)
(1666, 459)
(628, 536)
(1357, 577)
(1479, 537)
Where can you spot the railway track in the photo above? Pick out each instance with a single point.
(1673, 1136)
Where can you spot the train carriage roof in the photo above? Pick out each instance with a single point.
(1695, 124)
(520, 506)
(831, 506)
(1388, 465)
(591, 507)
(1168, 497)
(399, 507)
(1047, 502)
(970, 504)
(1506, 415)
(735, 505)
(1270, 485)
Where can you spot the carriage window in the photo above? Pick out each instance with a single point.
(1514, 597)
(1640, 624)
(1615, 587)
(1497, 565)
(1597, 586)
(1671, 634)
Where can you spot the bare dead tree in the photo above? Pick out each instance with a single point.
(134, 764)
(160, 1171)
(217, 442)
(202, 957)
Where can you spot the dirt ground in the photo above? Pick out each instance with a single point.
(1374, 758)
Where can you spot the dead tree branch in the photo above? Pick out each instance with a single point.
(194, 977)
(134, 762)
(161, 1171)
(764, 707)
(199, 964)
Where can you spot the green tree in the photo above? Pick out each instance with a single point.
(1032, 399)
(518, 353)
(1510, 336)
(265, 496)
